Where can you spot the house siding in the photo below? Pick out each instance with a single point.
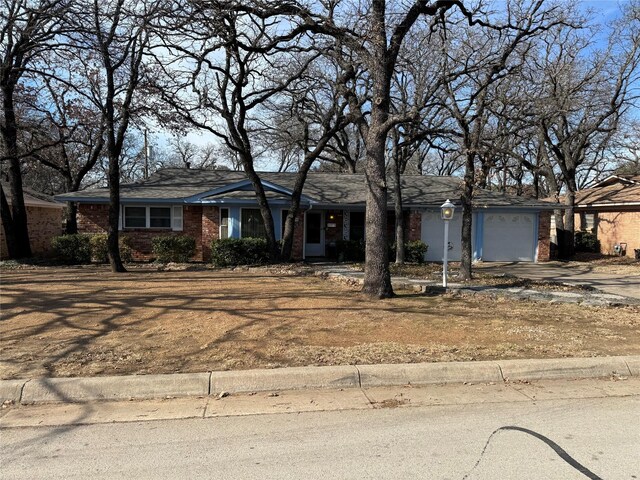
(618, 227)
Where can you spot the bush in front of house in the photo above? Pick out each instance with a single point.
(587, 242)
(72, 249)
(100, 249)
(178, 248)
(350, 250)
(230, 252)
(414, 251)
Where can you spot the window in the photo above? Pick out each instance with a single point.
(135, 217)
(160, 217)
(356, 230)
(151, 217)
(224, 223)
(252, 224)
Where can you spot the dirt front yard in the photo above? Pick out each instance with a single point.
(88, 321)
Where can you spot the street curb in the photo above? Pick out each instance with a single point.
(84, 389)
(294, 378)
(552, 368)
(429, 373)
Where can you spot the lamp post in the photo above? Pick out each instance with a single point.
(446, 210)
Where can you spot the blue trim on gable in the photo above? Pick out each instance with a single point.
(479, 235)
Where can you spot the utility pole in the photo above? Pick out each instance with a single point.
(146, 155)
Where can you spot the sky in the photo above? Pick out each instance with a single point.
(604, 10)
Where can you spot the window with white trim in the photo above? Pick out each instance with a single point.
(252, 225)
(147, 217)
(224, 223)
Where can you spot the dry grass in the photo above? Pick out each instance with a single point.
(88, 321)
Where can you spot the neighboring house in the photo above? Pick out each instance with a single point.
(212, 204)
(44, 221)
(611, 209)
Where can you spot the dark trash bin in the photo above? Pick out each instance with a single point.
(636, 252)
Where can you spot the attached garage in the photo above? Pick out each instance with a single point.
(509, 237)
(433, 235)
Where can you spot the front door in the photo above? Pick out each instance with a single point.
(314, 235)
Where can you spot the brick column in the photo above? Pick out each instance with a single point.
(210, 229)
(544, 233)
(415, 226)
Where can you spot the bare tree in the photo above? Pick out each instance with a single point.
(114, 37)
(584, 93)
(28, 32)
(485, 57)
(231, 59)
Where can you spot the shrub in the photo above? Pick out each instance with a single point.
(414, 251)
(229, 252)
(173, 248)
(587, 242)
(73, 249)
(350, 250)
(99, 248)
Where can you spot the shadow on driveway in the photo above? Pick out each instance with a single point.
(628, 285)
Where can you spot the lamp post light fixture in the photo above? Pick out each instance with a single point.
(446, 210)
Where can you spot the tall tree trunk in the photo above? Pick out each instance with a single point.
(115, 261)
(265, 209)
(7, 223)
(377, 278)
(71, 221)
(467, 217)
(397, 192)
(16, 231)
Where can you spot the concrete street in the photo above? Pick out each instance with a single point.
(627, 285)
(564, 430)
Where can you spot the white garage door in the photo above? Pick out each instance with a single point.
(508, 237)
(433, 236)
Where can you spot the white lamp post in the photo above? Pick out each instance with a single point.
(446, 211)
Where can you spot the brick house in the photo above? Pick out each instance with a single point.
(611, 210)
(44, 221)
(213, 204)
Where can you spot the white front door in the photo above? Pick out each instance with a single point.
(314, 234)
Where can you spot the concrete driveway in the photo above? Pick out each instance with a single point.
(628, 285)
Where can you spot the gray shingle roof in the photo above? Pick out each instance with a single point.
(322, 188)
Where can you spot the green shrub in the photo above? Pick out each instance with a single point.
(73, 249)
(414, 251)
(99, 248)
(587, 242)
(229, 252)
(173, 248)
(350, 250)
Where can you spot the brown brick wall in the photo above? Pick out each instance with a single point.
(93, 218)
(618, 227)
(210, 229)
(43, 224)
(333, 234)
(544, 239)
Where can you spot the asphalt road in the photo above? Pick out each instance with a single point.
(565, 438)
